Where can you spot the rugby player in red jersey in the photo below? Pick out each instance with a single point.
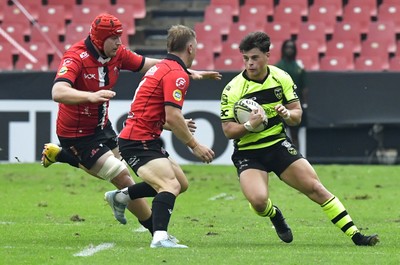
(83, 87)
(157, 105)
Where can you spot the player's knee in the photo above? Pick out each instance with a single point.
(111, 168)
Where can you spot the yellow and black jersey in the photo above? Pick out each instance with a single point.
(276, 88)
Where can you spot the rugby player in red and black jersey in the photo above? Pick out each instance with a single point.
(157, 105)
(83, 87)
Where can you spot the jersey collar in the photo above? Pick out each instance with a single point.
(173, 57)
(89, 45)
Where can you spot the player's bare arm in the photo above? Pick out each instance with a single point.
(199, 75)
(62, 92)
(179, 128)
(291, 113)
(191, 124)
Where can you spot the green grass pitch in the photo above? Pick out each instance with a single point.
(57, 216)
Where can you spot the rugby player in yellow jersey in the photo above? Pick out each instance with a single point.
(257, 154)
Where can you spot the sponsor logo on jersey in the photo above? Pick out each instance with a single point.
(151, 71)
(180, 83)
(84, 54)
(63, 70)
(224, 99)
(278, 92)
(67, 61)
(177, 94)
(89, 76)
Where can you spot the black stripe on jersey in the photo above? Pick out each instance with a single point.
(265, 96)
(172, 104)
(106, 77)
(262, 140)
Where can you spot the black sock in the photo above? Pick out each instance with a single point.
(66, 157)
(141, 190)
(162, 207)
(148, 224)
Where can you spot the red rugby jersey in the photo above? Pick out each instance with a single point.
(86, 70)
(165, 83)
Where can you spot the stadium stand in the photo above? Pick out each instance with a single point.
(336, 3)
(336, 63)
(358, 30)
(267, 5)
(323, 14)
(291, 14)
(371, 63)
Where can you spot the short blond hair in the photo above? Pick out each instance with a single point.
(178, 37)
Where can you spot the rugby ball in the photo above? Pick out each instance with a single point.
(242, 110)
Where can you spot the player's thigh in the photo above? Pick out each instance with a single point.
(180, 175)
(254, 184)
(302, 176)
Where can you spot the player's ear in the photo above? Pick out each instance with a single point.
(190, 48)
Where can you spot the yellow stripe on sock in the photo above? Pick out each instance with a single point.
(336, 212)
(268, 212)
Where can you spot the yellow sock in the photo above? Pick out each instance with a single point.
(268, 212)
(336, 212)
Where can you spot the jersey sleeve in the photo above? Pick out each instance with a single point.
(230, 95)
(175, 85)
(69, 68)
(131, 61)
(289, 89)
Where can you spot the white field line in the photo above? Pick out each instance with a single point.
(91, 250)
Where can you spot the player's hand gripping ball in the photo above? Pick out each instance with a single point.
(242, 110)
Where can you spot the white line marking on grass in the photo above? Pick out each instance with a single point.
(6, 223)
(141, 229)
(90, 250)
(222, 196)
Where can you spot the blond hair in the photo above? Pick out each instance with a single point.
(178, 37)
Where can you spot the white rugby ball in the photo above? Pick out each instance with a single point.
(242, 110)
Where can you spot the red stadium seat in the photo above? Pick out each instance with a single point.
(138, 7)
(394, 64)
(16, 31)
(278, 31)
(346, 31)
(253, 14)
(53, 14)
(234, 4)
(14, 16)
(229, 63)
(124, 14)
(291, 14)
(302, 5)
(370, 4)
(323, 14)
(357, 12)
(371, 63)
(219, 15)
(104, 4)
(40, 51)
(85, 14)
(50, 30)
(336, 3)
(390, 12)
(383, 32)
(343, 48)
(313, 31)
(308, 63)
(75, 32)
(336, 63)
(239, 30)
(204, 60)
(209, 35)
(374, 48)
(6, 55)
(68, 6)
(230, 48)
(268, 4)
(308, 54)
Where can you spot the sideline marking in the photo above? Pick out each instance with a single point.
(90, 250)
